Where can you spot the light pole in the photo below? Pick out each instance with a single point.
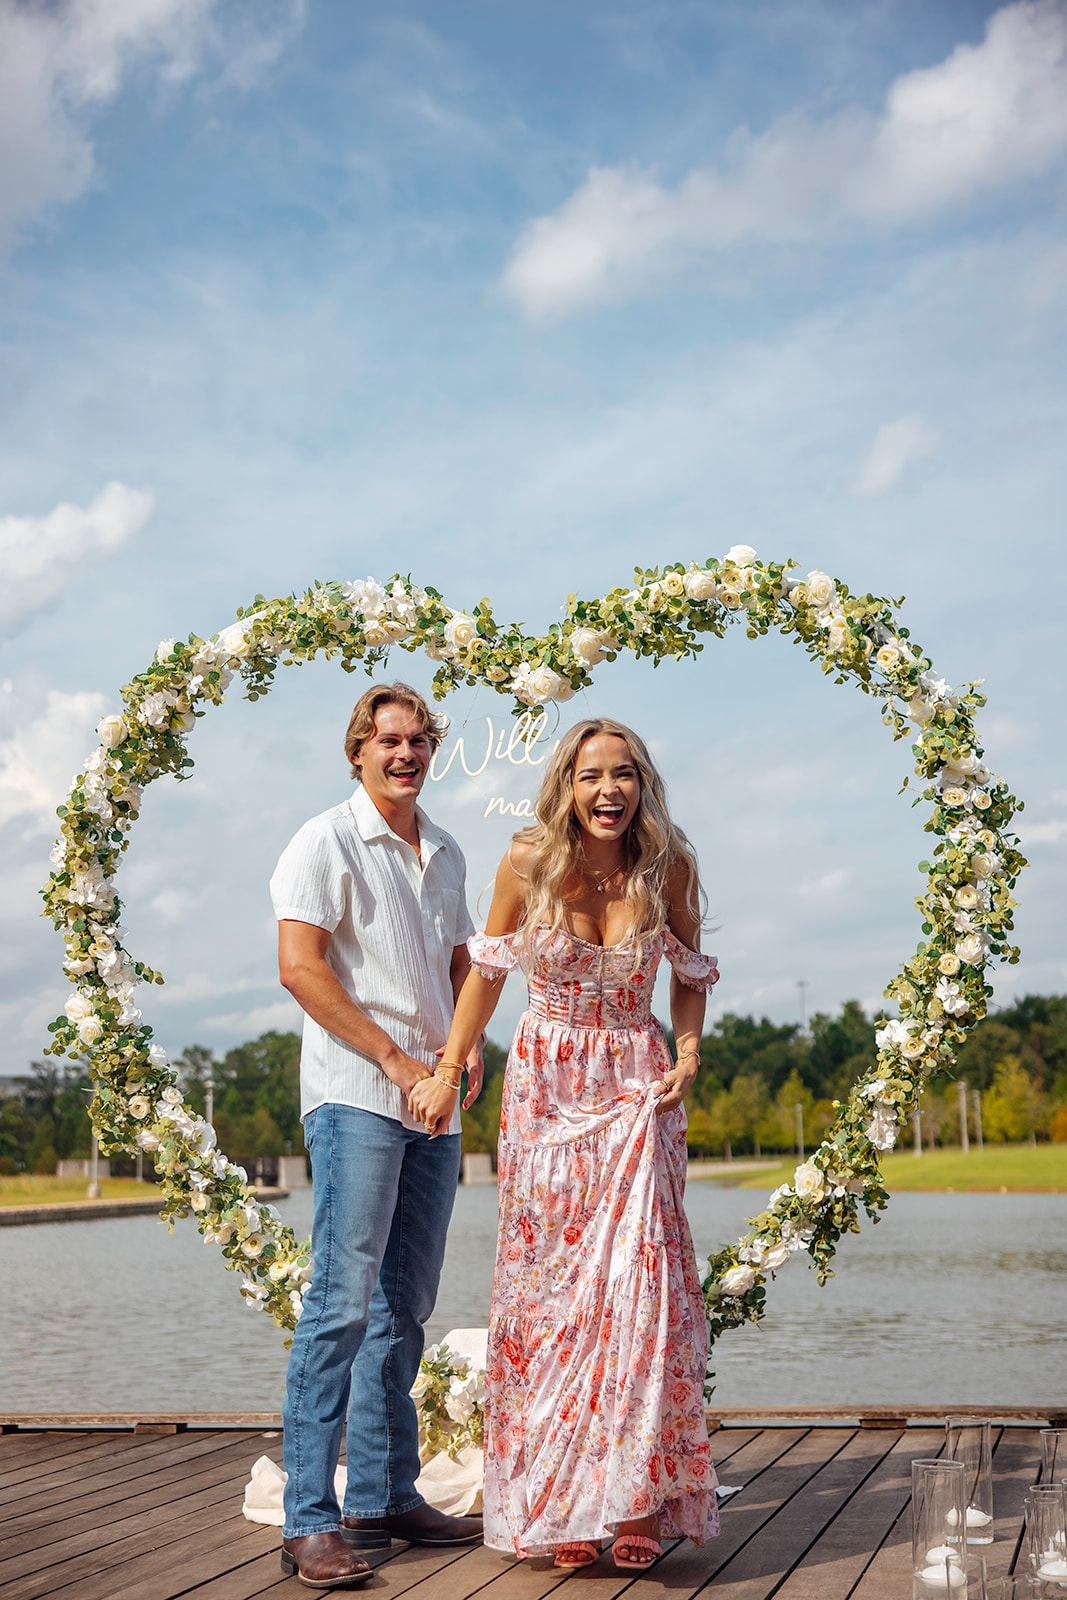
(965, 1140)
(209, 1100)
(94, 1170)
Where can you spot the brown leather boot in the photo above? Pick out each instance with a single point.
(323, 1561)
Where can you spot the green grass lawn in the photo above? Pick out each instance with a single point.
(29, 1189)
(1003, 1166)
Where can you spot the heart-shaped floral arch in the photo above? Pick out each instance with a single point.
(940, 992)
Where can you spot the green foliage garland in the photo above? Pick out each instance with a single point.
(940, 991)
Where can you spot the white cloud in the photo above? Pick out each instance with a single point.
(283, 1015)
(37, 554)
(37, 762)
(58, 62)
(1041, 832)
(989, 115)
(896, 444)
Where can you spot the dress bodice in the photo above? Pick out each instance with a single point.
(583, 985)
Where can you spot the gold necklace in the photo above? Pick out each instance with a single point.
(600, 883)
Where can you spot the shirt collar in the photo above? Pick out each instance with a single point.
(372, 825)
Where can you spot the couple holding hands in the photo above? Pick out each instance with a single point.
(594, 1427)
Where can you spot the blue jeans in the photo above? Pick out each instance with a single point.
(383, 1197)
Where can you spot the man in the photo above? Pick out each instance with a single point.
(372, 929)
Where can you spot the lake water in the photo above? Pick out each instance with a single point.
(952, 1299)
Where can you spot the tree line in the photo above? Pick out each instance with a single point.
(752, 1077)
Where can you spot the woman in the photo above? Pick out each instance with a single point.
(597, 1333)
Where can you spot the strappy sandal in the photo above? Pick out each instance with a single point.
(638, 1542)
(579, 1547)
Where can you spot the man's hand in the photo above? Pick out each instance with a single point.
(432, 1102)
(404, 1070)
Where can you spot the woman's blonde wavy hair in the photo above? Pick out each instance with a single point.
(554, 853)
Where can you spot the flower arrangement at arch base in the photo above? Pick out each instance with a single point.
(940, 992)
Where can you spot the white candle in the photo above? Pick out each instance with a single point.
(941, 1576)
(977, 1519)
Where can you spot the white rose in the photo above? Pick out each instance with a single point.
(172, 1095)
(892, 1032)
(737, 1281)
(953, 796)
(252, 1246)
(233, 642)
(139, 1106)
(964, 761)
(700, 585)
(199, 1202)
(147, 1140)
(90, 1029)
(587, 647)
(79, 1006)
(983, 866)
(496, 674)
(839, 635)
(78, 965)
(967, 896)
(948, 965)
(981, 799)
(808, 1182)
(461, 630)
(673, 584)
(774, 1257)
(459, 1401)
(821, 588)
(111, 731)
(887, 658)
(163, 654)
(912, 1048)
(742, 555)
(920, 710)
(970, 949)
(798, 594)
(375, 634)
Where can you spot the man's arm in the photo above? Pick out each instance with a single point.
(315, 986)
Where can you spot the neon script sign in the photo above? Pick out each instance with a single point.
(515, 744)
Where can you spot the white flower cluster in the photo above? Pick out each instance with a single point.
(449, 1396)
(386, 616)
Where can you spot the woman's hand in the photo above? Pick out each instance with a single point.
(677, 1083)
(432, 1102)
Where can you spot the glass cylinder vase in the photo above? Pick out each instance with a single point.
(970, 1440)
(938, 1545)
(1046, 1533)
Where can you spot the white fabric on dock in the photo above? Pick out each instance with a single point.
(454, 1487)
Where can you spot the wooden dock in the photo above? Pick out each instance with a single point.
(823, 1514)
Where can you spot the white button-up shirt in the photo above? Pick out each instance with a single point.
(394, 926)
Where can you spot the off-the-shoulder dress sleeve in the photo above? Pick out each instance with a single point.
(696, 971)
(493, 956)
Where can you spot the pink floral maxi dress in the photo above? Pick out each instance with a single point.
(597, 1330)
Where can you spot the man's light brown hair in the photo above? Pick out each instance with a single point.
(361, 724)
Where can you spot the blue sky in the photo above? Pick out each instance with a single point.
(514, 298)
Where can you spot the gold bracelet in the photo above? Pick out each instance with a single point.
(448, 1082)
(682, 1053)
(453, 1066)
